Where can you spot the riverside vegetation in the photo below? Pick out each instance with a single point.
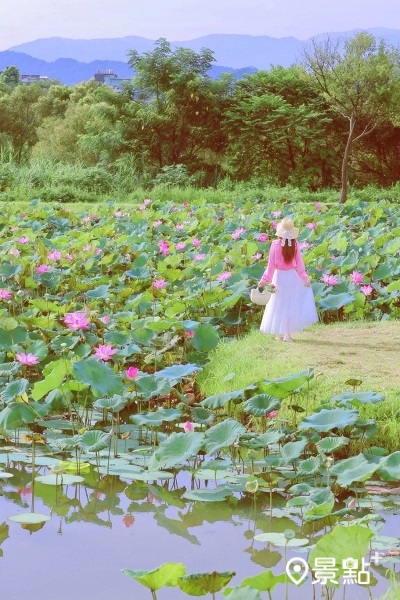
(113, 326)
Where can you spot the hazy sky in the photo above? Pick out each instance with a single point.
(179, 20)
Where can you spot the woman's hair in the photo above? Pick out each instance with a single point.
(289, 252)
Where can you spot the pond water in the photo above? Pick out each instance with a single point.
(106, 524)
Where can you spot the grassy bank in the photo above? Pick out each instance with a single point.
(337, 352)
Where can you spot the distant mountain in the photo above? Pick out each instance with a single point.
(235, 51)
(70, 71)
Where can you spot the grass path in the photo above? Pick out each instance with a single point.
(368, 351)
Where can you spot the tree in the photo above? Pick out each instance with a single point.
(180, 107)
(359, 78)
(277, 127)
(10, 76)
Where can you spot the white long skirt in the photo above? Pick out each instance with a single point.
(291, 308)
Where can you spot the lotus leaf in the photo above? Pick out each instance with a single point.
(202, 416)
(176, 449)
(357, 398)
(61, 479)
(113, 404)
(14, 389)
(94, 440)
(242, 593)
(279, 539)
(101, 378)
(284, 386)
(309, 466)
(16, 414)
(200, 584)
(341, 544)
(330, 444)
(389, 467)
(219, 400)
(336, 301)
(328, 419)
(293, 450)
(266, 581)
(206, 338)
(156, 418)
(166, 574)
(149, 386)
(176, 373)
(356, 468)
(218, 495)
(222, 435)
(261, 404)
(29, 518)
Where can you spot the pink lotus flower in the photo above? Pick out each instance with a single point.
(42, 269)
(86, 220)
(277, 214)
(263, 237)
(157, 223)
(257, 256)
(69, 257)
(189, 334)
(104, 351)
(27, 359)
(179, 227)
(105, 319)
(15, 252)
(164, 247)
(132, 372)
(142, 207)
(5, 294)
(356, 277)
(159, 284)
(199, 256)
(329, 279)
(76, 320)
(128, 520)
(180, 246)
(54, 255)
(311, 226)
(367, 289)
(146, 201)
(272, 414)
(23, 215)
(23, 240)
(274, 224)
(317, 206)
(196, 242)
(224, 276)
(237, 233)
(118, 213)
(185, 203)
(188, 427)
(87, 248)
(97, 251)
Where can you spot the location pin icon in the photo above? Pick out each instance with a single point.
(297, 570)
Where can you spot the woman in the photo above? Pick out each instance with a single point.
(292, 306)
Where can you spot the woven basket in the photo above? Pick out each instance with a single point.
(259, 297)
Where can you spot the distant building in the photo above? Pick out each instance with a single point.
(32, 78)
(108, 77)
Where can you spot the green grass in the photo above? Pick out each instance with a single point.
(358, 350)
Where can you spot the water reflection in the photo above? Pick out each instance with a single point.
(138, 525)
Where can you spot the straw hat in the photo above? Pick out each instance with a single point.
(287, 231)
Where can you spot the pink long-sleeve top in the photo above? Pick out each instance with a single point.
(275, 261)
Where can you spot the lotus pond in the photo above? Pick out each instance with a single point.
(107, 441)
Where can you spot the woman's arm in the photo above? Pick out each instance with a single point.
(271, 266)
(301, 269)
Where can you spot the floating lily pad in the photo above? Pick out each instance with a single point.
(61, 479)
(29, 518)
